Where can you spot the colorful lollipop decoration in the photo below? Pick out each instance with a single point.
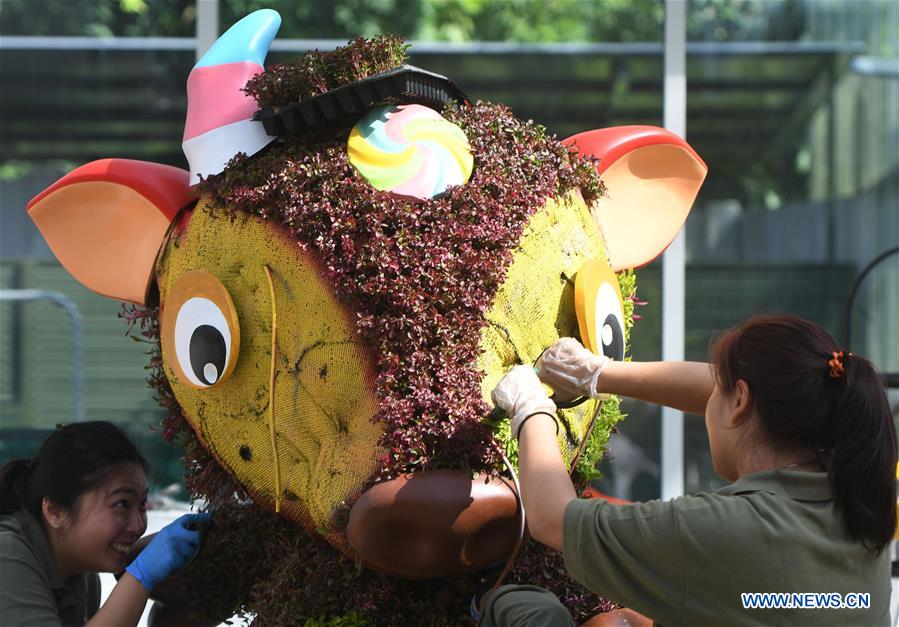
(410, 150)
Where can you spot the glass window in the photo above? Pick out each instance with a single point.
(801, 144)
(63, 103)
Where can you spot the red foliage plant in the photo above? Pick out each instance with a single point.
(422, 275)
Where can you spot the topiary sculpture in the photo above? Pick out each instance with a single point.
(354, 259)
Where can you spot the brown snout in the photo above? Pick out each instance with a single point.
(434, 524)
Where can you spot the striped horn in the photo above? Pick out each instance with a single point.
(219, 115)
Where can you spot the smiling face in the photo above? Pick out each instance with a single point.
(106, 522)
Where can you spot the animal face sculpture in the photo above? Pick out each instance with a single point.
(336, 305)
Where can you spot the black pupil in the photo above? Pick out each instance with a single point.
(615, 347)
(207, 346)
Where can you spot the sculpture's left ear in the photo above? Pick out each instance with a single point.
(652, 177)
(106, 221)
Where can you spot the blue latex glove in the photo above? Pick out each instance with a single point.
(171, 549)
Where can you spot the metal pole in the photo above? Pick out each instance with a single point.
(673, 280)
(831, 165)
(77, 336)
(207, 25)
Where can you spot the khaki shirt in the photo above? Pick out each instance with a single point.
(686, 561)
(32, 592)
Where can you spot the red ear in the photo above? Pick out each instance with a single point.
(652, 177)
(106, 220)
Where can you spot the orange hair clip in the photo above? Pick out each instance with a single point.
(836, 365)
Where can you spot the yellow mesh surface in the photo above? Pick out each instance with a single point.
(324, 377)
(535, 305)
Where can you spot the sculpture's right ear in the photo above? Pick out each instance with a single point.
(106, 221)
(652, 177)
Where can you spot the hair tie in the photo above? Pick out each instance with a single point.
(836, 365)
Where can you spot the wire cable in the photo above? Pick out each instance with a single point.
(522, 527)
(519, 542)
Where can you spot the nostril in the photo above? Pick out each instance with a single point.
(488, 543)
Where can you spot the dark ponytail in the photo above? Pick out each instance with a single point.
(73, 460)
(808, 393)
(863, 470)
(13, 481)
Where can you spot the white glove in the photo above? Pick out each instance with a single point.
(520, 394)
(571, 370)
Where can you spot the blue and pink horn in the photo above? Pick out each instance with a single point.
(219, 115)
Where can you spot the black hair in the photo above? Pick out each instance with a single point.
(809, 393)
(74, 459)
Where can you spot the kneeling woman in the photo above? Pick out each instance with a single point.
(804, 432)
(73, 511)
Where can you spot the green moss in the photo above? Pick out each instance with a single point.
(610, 413)
(353, 619)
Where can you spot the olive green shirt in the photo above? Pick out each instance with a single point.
(686, 561)
(32, 592)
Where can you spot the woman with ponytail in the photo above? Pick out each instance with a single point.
(800, 427)
(73, 511)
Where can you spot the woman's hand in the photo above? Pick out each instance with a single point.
(545, 486)
(170, 550)
(571, 370)
(521, 395)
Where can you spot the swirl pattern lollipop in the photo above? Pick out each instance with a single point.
(410, 150)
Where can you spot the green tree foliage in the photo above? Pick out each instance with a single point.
(542, 21)
(528, 20)
(465, 20)
(745, 20)
(427, 20)
(98, 18)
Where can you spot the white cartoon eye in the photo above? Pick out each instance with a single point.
(202, 341)
(599, 308)
(200, 323)
(609, 322)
